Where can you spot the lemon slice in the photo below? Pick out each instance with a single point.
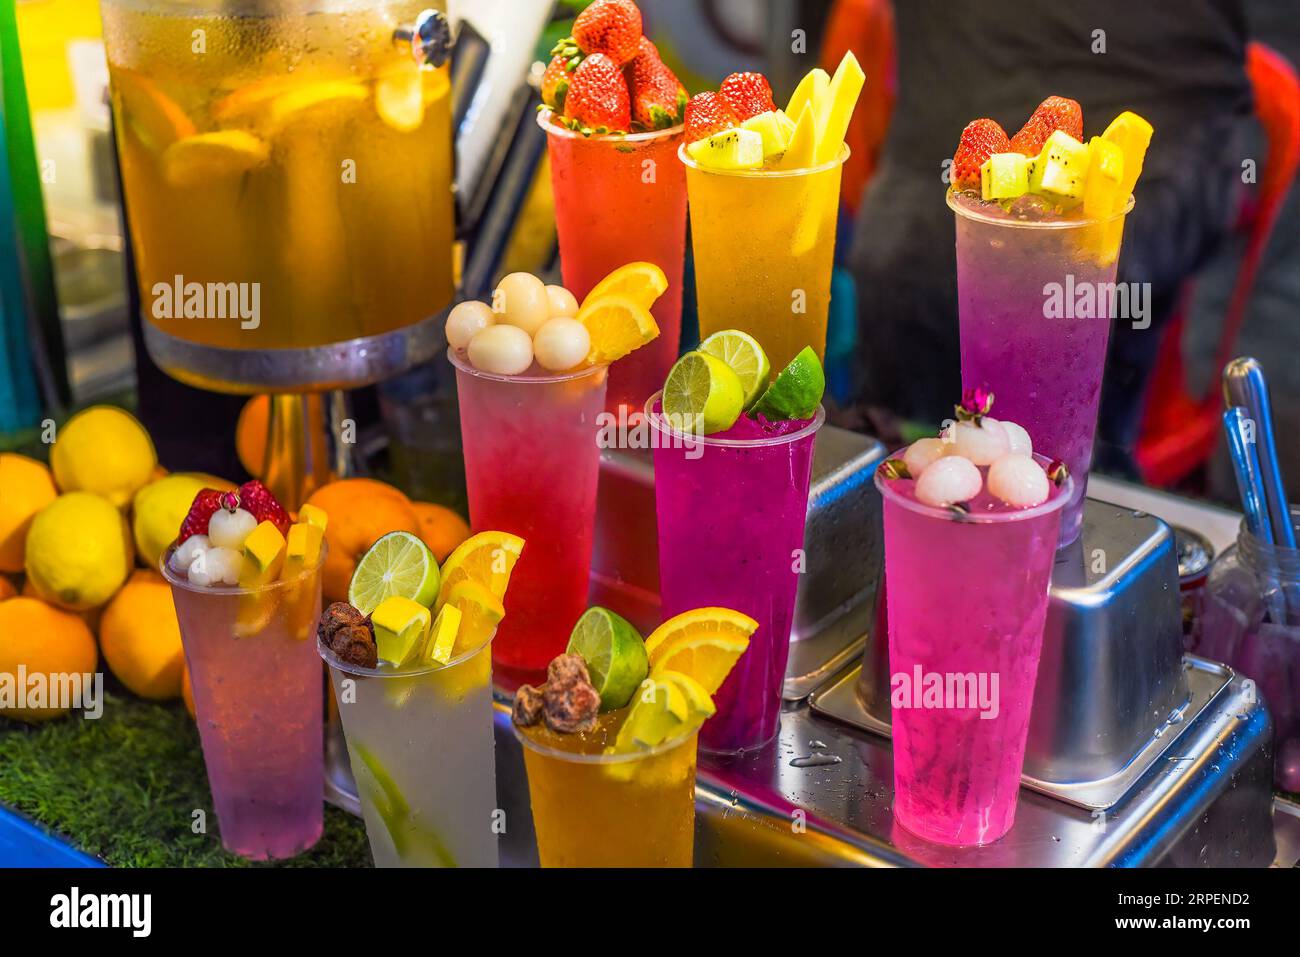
(487, 558)
(248, 99)
(399, 98)
(155, 118)
(617, 326)
(309, 102)
(480, 613)
(715, 622)
(200, 159)
(642, 282)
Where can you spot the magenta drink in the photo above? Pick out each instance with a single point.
(257, 688)
(966, 585)
(1035, 304)
(531, 465)
(730, 509)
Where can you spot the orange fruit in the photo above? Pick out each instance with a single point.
(250, 433)
(141, 638)
(26, 487)
(440, 528)
(46, 640)
(7, 589)
(187, 690)
(360, 512)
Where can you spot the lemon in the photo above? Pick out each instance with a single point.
(702, 395)
(200, 159)
(310, 102)
(159, 508)
(78, 551)
(742, 353)
(642, 282)
(487, 558)
(104, 450)
(617, 325)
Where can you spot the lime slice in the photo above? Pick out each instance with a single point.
(702, 395)
(796, 392)
(659, 712)
(699, 703)
(614, 652)
(397, 564)
(744, 356)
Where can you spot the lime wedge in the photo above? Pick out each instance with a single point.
(797, 391)
(702, 395)
(667, 705)
(397, 564)
(744, 356)
(614, 652)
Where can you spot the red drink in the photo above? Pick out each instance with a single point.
(621, 198)
(531, 465)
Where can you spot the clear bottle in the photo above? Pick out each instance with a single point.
(1250, 619)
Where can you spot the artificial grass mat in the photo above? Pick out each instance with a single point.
(123, 788)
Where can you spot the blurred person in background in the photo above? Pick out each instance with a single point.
(1180, 65)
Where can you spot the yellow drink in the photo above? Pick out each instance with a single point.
(304, 153)
(764, 243)
(596, 810)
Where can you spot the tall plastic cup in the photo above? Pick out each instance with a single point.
(421, 746)
(621, 198)
(966, 599)
(730, 510)
(1035, 301)
(764, 243)
(256, 680)
(531, 467)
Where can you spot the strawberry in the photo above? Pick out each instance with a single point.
(611, 27)
(555, 81)
(980, 140)
(706, 114)
(1054, 113)
(257, 498)
(205, 504)
(597, 101)
(748, 94)
(658, 97)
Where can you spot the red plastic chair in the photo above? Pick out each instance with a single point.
(1179, 430)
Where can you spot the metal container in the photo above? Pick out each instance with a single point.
(1111, 676)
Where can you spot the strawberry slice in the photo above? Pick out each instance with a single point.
(205, 504)
(611, 27)
(748, 94)
(706, 114)
(980, 140)
(1054, 113)
(597, 101)
(257, 498)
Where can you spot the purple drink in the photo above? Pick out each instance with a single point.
(966, 600)
(1034, 300)
(258, 703)
(731, 509)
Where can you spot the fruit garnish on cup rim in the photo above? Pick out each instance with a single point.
(977, 463)
(710, 388)
(741, 128)
(608, 78)
(1047, 171)
(530, 328)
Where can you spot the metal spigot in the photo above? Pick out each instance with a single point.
(429, 38)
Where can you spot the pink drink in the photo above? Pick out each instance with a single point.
(731, 510)
(531, 464)
(256, 679)
(965, 596)
(1044, 367)
(621, 198)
